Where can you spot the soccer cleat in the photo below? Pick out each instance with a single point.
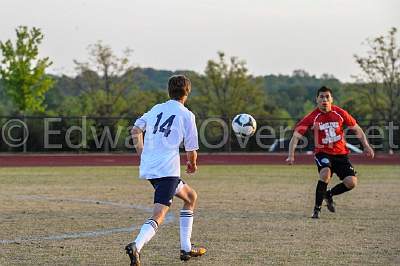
(131, 250)
(195, 252)
(316, 212)
(330, 204)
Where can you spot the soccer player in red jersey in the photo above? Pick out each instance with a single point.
(327, 122)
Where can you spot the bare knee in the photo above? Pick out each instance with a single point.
(325, 175)
(192, 197)
(350, 182)
(189, 197)
(159, 213)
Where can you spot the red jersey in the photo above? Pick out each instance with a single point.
(327, 129)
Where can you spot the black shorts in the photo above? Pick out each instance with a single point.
(339, 164)
(165, 189)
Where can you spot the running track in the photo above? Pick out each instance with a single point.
(20, 160)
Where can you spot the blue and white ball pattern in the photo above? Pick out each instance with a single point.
(244, 125)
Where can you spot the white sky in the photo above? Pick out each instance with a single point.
(273, 36)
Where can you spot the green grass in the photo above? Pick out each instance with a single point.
(246, 215)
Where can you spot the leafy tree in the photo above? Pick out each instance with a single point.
(107, 87)
(103, 86)
(23, 73)
(296, 93)
(103, 82)
(227, 89)
(379, 84)
(5, 103)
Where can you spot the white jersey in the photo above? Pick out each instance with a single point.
(166, 125)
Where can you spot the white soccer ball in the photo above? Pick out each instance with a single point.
(244, 125)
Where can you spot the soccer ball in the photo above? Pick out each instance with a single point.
(244, 125)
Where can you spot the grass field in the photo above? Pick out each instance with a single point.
(246, 215)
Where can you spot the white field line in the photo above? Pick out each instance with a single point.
(97, 233)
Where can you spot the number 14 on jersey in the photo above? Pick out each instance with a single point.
(165, 127)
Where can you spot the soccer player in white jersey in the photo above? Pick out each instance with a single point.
(166, 126)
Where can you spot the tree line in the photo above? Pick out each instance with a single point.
(108, 85)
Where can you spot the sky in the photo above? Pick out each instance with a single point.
(272, 36)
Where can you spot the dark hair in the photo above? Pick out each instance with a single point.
(324, 89)
(178, 86)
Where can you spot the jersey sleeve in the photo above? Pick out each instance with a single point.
(141, 122)
(304, 124)
(348, 120)
(190, 139)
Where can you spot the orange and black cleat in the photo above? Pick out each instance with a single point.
(195, 252)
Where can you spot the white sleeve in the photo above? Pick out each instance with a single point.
(141, 122)
(190, 139)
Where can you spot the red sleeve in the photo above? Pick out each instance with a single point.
(305, 123)
(348, 119)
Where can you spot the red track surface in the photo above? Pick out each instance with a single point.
(18, 160)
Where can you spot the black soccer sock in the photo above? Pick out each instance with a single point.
(339, 189)
(320, 192)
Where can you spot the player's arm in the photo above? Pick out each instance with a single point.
(363, 139)
(292, 146)
(191, 144)
(191, 165)
(137, 137)
(299, 131)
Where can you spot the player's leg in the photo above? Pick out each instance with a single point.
(146, 233)
(189, 197)
(324, 178)
(164, 192)
(325, 173)
(348, 183)
(150, 227)
(347, 174)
